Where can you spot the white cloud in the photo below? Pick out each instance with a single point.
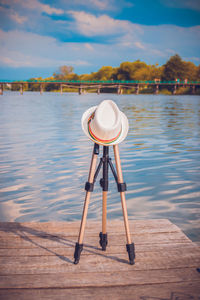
(17, 18)
(89, 46)
(33, 5)
(22, 49)
(160, 42)
(193, 58)
(101, 4)
(139, 45)
(97, 5)
(107, 4)
(132, 43)
(13, 15)
(18, 60)
(90, 25)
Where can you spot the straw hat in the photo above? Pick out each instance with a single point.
(105, 124)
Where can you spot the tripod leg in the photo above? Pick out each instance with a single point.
(103, 235)
(104, 184)
(79, 245)
(129, 245)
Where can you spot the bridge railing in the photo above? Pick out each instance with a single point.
(102, 81)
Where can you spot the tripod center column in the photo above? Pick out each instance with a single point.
(105, 187)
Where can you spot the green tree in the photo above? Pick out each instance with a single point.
(64, 72)
(156, 72)
(86, 77)
(198, 73)
(190, 71)
(174, 68)
(105, 73)
(127, 69)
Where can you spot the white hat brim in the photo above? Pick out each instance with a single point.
(124, 127)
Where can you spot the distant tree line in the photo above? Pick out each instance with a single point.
(174, 69)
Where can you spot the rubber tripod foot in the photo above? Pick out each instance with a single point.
(131, 252)
(77, 253)
(103, 240)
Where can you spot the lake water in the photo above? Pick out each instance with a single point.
(45, 158)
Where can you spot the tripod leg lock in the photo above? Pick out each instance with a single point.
(96, 149)
(89, 187)
(103, 240)
(121, 187)
(131, 252)
(77, 253)
(104, 184)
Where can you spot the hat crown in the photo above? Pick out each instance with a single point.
(107, 115)
(106, 123)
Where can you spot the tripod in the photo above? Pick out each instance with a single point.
(89, 186)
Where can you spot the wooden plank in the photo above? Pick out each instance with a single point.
(149, 223)
(24, 241)
(99, 279)
(97, 262)
(169, 291)
(66, 228)
(50, 251)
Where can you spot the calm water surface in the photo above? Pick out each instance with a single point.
(45, 157)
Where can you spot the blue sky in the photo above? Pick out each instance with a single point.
(39, 36)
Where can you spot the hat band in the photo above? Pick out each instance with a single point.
(94, 137)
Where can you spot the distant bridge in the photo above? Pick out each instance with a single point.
(119, 85)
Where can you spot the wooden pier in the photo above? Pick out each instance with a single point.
(36, 262)
(101, 85)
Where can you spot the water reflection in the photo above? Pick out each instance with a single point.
(45, 157)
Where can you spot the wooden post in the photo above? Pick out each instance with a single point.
(41, 88)
(119, 90)
(61, 88)
(174, 91)
(21, 88)
(193, 89)
(157, 89)
(80, 91)
(1, 89)
(137, 89)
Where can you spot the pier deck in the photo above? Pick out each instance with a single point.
(36, 262)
